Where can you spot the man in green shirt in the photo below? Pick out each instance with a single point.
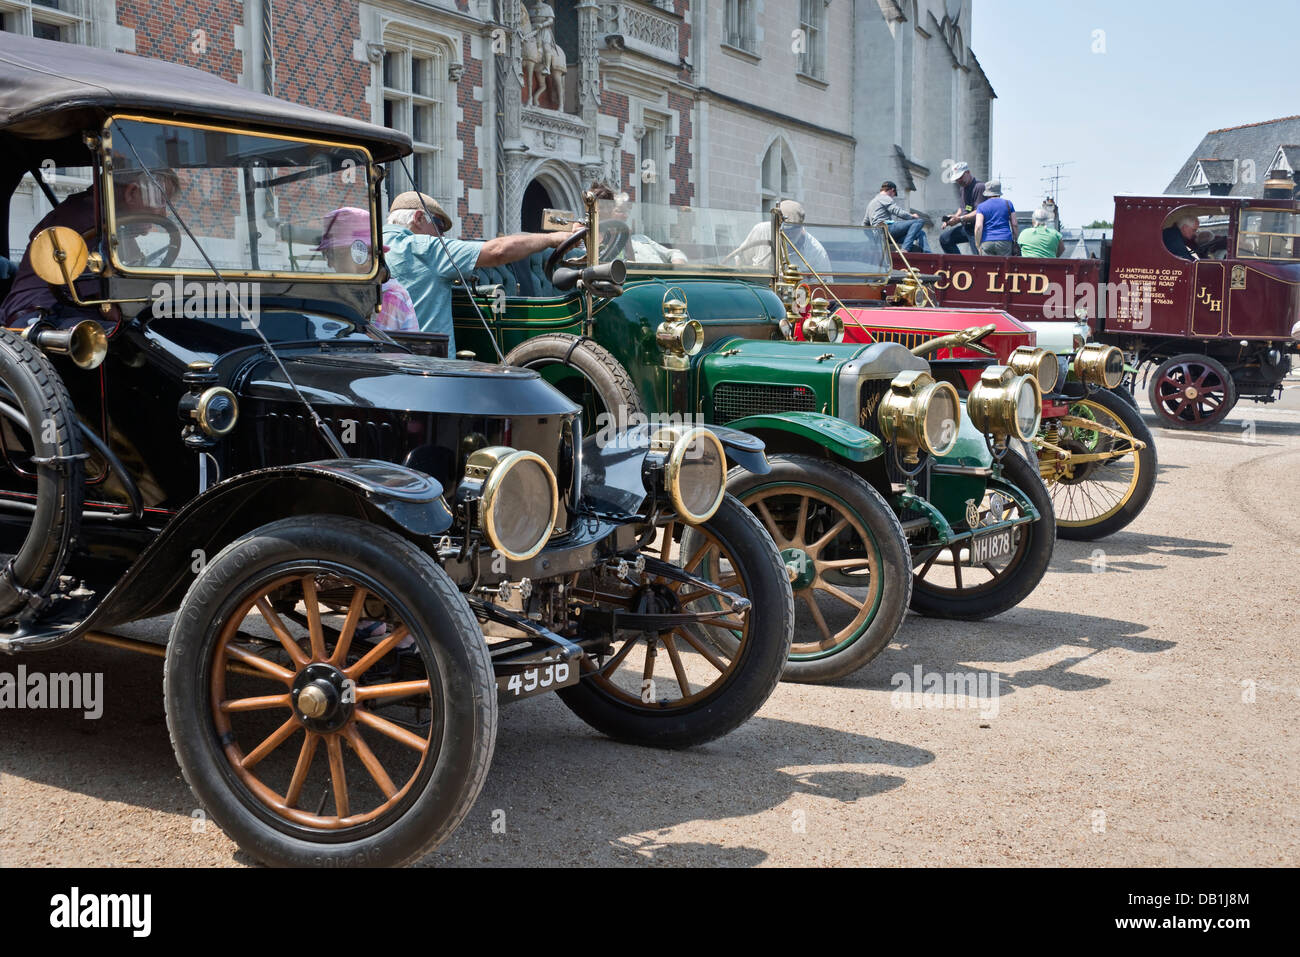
(1041, 239)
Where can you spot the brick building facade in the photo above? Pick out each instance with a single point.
(727, 103)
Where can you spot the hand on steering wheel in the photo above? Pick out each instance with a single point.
(556, 259)
(127, 229)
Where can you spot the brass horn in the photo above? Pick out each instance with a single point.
(85, 343)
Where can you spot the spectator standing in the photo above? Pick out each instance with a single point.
(906, 227)
(1041, 239)
(995, 217)
(970, 193)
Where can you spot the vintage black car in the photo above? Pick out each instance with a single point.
(366, 548)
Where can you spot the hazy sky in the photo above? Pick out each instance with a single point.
(1162, 75)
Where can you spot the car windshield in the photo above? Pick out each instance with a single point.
(685, 238)
(305, 205)
(1269, 234)
(852, 251)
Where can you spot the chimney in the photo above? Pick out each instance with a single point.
(1279, 185)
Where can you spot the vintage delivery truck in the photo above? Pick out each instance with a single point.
(1203, 289)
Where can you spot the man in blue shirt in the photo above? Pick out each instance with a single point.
(995, 223)
(418, 259)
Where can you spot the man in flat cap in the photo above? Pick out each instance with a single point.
(418, 259)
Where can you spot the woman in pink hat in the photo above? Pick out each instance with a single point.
(346, 245)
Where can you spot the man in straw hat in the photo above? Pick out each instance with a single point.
(419, 260)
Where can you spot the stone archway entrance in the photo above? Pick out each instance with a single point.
(536, 199)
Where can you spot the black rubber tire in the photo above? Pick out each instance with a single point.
(603, 374)
(43, 400)
(872, 512)
(446, 634)
(756, 672)
(1171, 421)
(1148, 466)
(1125, 396)
(1029, 566)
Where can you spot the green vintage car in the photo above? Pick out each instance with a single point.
(882, 493)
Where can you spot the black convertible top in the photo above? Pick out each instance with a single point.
(53, 91)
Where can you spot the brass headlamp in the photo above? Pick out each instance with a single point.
(1037, 362)
(821, 326)
(919, 413)
(694, 470)
(517, 499)
(1099, 364)
(1004, 404)
(678, 335)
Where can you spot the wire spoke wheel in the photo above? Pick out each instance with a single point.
(297, 700)
(1094, 498)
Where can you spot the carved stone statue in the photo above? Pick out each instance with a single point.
(543, 59)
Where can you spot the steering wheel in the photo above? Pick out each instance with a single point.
(162, 257)
(614, 235)
(556, 259)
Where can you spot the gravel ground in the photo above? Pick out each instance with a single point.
(1147, 716)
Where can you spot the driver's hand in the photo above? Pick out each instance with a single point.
(559, 237)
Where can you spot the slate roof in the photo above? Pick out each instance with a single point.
(1253, 145)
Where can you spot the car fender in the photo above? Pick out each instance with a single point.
(401, 499)
(841, 438)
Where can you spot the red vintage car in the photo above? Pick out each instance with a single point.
(1216, 328)
(1093, 449)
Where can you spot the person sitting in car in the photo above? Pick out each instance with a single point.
(756, 250)
(345, 241)
(1180, 238)
(135, 191)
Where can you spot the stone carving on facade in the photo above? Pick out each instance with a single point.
(544, 62)
(621, 22)
(375, 52)
(455, 71)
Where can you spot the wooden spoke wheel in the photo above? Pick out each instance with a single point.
(1093, 498)
(949, 584)
(317, 685)
(1191, 392)
(694, 682)
(334, 702)
(846, 557)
